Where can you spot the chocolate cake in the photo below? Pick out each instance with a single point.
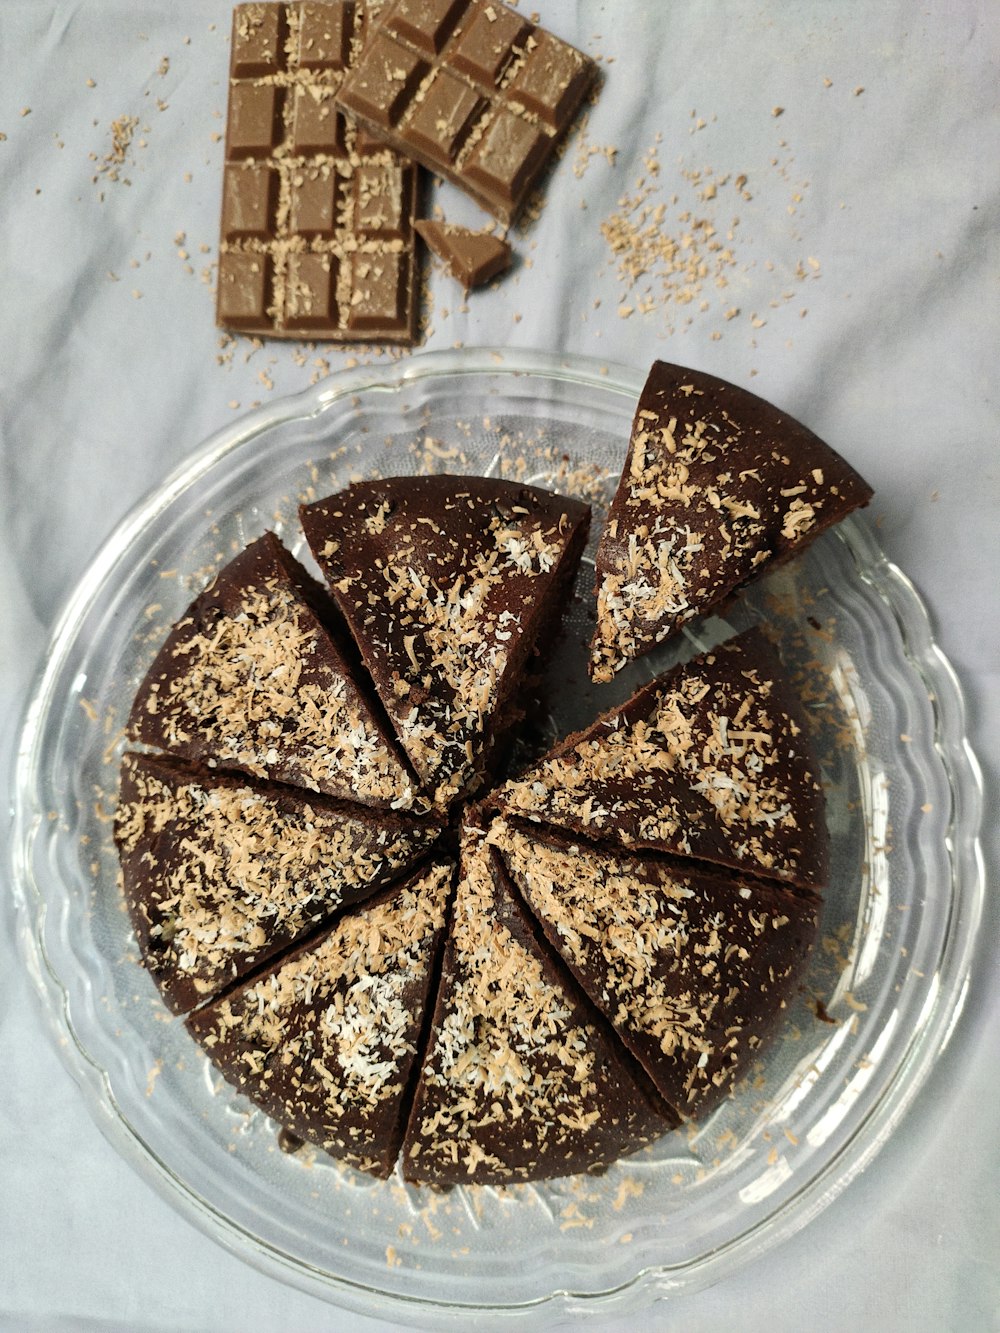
(521, 1080)
(691, 966)
(220, 874)
(445, 583)
(326, 1041)
(255, 677)
(717, 486)
(710, 761)
(632, 913)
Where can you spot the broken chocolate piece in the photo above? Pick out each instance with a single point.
(317, 219)
(473, 257)
(470, 89)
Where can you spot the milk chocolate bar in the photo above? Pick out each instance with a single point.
(469, 88)
(317, 217)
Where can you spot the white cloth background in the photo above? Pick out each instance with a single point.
(880, 189)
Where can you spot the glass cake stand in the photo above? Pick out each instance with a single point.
(884, 986)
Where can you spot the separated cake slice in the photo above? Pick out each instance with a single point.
(256, 677)
(692, 967)
(326, 1042)
(522, 1080)
(221, 874)
(717, 485)
(445, 583)
(710, 761)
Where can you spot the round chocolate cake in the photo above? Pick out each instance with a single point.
(404, 941)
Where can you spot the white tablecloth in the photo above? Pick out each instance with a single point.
(862, 259)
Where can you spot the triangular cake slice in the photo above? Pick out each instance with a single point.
(472, 257)
(221, 874)
(717, 485)
(710, 761)
(445, 583)
(522, 1080)
(326, 1042)
(253, 678)
(693, 967)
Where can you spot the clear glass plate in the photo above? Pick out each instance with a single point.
(883, 989)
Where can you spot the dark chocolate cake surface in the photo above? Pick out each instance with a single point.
(710, 761)
(220, 874)
(326, 1042)
(521, 1080)
(445, 583)
(251, 678)
(692, 967)
(717, 485)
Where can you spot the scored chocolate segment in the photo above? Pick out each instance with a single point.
(324, 36)
(255, 122)
(249, 195)
(446, 115)
(258, 40)
(427, 24)
(317, 127)
(470, 89)
(315, 202)
(487, 43)
(392, 73)
(317, 216)
(244, 290)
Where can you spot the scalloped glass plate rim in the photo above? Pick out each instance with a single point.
(929, 1037)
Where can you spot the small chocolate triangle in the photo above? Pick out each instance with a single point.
(473, 257)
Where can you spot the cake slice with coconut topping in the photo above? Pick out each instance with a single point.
(221, 874)
(691, 966)
(717, 486)
(256, 677)
(522, 1079)
(711, 761)
(445, 583)
(326, 1043)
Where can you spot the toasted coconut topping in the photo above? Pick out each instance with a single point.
(717, 483)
